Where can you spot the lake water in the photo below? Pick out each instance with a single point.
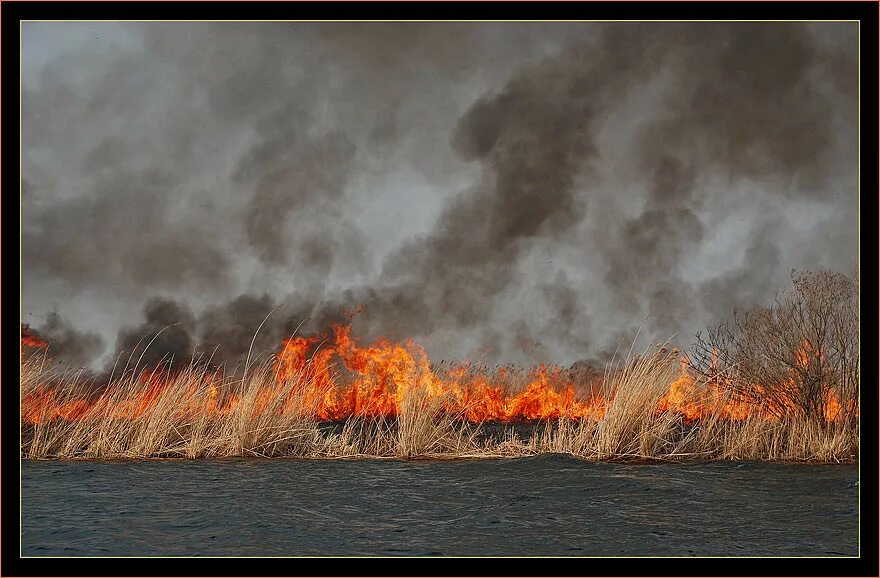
(546, 505)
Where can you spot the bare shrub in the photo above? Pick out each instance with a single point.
(800, 355)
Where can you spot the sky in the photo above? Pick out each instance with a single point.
(521, 192)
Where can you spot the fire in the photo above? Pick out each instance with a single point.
(378, 377)
(334, 377)
(695, 402)
(807, 352)
(832, 406)
(42, 407)
(29, 338)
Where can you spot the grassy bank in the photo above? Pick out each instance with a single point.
(646, 413)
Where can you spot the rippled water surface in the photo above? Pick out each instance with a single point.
(548, 505)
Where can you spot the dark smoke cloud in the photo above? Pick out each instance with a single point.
(739, 287)
(222, 335)
(533, 139)
(66, 344)
(163, 337)
(732, 112)
(293, 176)
(556, 186)
(256, 323)
(123, 234)
(743, 108)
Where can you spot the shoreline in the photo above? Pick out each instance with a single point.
(786, 442)
(440, 458)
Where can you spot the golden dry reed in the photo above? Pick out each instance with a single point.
(194, 414)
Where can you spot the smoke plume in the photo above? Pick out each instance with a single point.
(523, 192)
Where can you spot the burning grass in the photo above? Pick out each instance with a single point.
(388, 400)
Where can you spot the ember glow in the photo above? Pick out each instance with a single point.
(333, 377)
(30, 339)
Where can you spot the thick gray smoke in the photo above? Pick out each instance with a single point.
(68, 343)
(524, 192)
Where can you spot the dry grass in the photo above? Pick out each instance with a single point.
(124, 423)
(274, 420)
(788, 440)
(632, 426)
(421, 430)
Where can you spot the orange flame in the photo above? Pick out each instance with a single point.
(333, 377)
(30, 339)
(381, 374)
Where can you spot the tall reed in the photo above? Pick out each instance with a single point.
(196, 414)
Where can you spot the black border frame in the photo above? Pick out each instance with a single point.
(11, 13)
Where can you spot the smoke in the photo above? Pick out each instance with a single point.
(290, 172)
(65, 343)
(163, 337)
(230, 328)
(534, 139)
(530, 192)
(735, 114)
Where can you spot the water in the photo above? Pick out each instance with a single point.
(547, 505)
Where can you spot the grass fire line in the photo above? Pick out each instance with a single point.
(330, 397)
